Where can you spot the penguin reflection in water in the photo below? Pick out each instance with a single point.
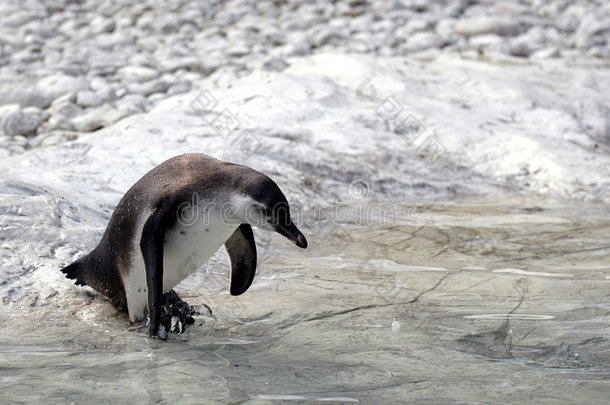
(169, 224)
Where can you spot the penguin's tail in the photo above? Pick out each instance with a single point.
(76, 271)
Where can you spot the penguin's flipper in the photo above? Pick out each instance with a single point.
(151, 244)
(242, 252)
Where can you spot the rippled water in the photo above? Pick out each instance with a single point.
(475, 302)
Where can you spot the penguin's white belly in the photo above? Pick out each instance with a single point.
(189, 245)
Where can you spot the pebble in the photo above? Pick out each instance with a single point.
(11, 145)
(23, 95)
(328, 35)
(65, 105)
(520, 47)
(420, 41)
(47, 139)
(18, 18)
(238, 51)
(191, 63)
(300, 44)
(592, 30)
(43, 115)
(57, 85)
(88, 99)
(487, 41)
(91, 120)
(179, 87)
(417, 25)
(275, 64)
(20, 123)
(62, 110)
(103, 90)
(277, 37)
(113, 40)
(59, 122)
(137, 73)
(148, 88)
(546, 53)
(100, 24)
(8, 109)
(446, 28)
(488, 25)
(114, 115)
(362, 43)
(133, 104)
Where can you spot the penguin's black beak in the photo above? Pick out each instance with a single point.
(292, 232)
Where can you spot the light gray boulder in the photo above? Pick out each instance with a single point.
(20, 123)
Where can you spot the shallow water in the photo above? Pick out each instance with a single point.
(470, 301)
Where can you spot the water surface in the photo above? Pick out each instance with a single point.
(474, 301)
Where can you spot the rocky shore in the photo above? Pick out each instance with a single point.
(71, 67)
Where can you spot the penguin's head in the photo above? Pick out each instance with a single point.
(266, 207)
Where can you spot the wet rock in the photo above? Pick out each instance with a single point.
(20, 123)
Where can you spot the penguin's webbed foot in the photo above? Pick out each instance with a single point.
(175, 313)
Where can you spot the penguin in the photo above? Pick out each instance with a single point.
(169, 223)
